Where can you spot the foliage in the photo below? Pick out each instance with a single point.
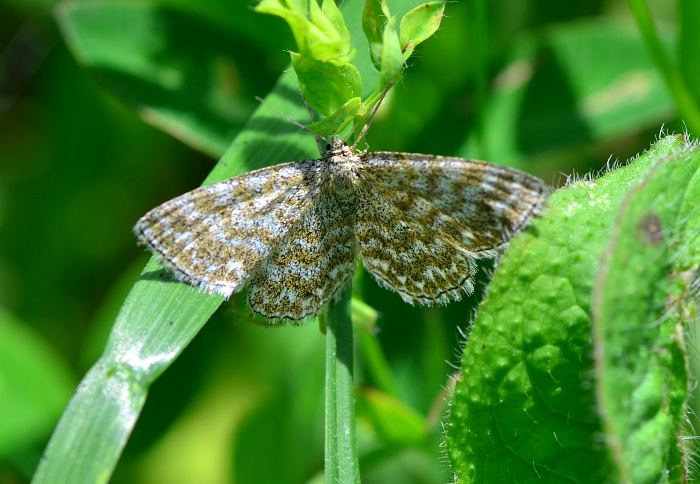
(567, 86)
(529, 381)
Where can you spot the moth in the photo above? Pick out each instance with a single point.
(292, 231)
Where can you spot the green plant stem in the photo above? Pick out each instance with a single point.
(685, 103)
(480, 38)
(688, 43)
(341, 463)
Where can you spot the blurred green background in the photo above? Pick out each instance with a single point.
(557, 88)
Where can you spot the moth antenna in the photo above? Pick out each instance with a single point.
(311, 115)
(317, 137)
(365, 128)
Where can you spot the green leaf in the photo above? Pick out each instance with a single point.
(420, 24)
(35, 385)
(157, 60)
(326, 77)
(523, 406)
(372, 24)
(320, 33)
(642, 300)
(295, 14)
(336, 47)
(335, 20)
(157, 321)
(387, 50)
(326, 88)
(337, 121)
(392, 60)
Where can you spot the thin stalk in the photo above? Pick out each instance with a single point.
(481, 42)
(685, 103)
(341, 462)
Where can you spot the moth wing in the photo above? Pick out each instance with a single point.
(310, 265)
(215, 236)
(423, 220)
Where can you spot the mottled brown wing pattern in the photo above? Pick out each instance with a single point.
(422, 220)
(311, 263)
(215, 236)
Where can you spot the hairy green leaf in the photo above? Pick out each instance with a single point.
(643, 297)
(525, 405)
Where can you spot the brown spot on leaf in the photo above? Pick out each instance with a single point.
(651, 228)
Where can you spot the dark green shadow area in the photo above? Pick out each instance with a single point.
(549, 117)
(182, 74)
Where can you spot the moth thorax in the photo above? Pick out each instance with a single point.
(337, 146)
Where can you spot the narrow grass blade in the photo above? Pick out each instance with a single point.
(685, 103)
(341, 464)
